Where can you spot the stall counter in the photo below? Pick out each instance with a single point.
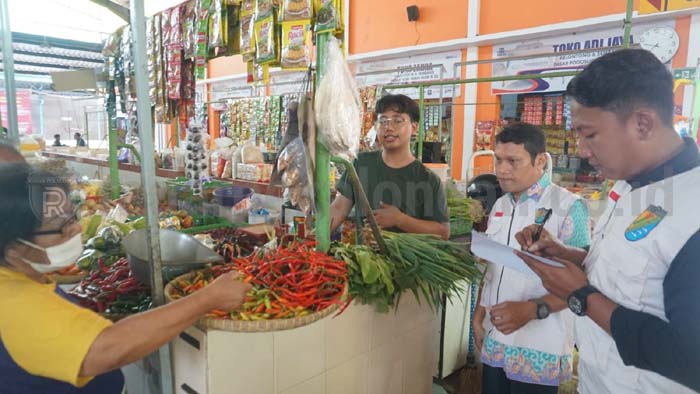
(358, 352)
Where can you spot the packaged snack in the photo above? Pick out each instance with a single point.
(264, 9)
(293, 10)
(189, 30)
(296, 37)
(265, 46)
(248, 7)
(327, 16)
(216, 29)
(247, 35)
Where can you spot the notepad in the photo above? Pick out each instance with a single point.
(498, 253)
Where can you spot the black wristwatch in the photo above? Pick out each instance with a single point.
(578, 300)
(543, 310)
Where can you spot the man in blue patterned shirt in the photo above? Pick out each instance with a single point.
(525, 334)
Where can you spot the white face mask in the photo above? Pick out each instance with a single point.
(60, 256)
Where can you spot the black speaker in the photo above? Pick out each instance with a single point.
(413, 13)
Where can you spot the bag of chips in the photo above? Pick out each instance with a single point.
(296, 37)
(265, 46)
(293, 10)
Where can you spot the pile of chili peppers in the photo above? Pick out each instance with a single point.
(113, 290)
(290, 281)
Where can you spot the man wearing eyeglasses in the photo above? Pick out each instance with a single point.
(405, 196)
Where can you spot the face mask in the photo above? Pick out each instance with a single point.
(60, 256)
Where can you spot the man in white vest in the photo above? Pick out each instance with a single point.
(526, 335)
(639, 297)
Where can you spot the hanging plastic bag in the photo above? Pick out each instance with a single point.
(338, 106)
(292, 165)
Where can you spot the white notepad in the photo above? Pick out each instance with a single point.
(498, 253)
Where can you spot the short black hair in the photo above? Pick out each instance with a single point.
(399, 103)
(78, 134)
(622, 80)
(56, 136)
(524, 134)
(22, 190)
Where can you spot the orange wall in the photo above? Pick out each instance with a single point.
(221, 67)
(505, 15)
(383, 24)
(228, 65)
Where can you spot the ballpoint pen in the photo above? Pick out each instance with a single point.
(547, 215)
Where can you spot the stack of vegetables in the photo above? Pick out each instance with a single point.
(464, 211)
(113, 290)
(288, 281)
(424, 264)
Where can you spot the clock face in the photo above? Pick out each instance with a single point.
(662, 41)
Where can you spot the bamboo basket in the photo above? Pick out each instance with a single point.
(235, 325)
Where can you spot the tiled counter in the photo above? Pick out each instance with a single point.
(359, 352)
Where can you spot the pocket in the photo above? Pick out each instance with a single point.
(494, 226)
(627, 270)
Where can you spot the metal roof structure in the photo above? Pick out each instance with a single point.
(40, 55)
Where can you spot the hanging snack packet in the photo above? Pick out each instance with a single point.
(264, 9)
(296, 37)
(247, 35)
(248, 7)
(265, 46)
(189, 27)
(293, 10)
(326, 16)
(216, 37)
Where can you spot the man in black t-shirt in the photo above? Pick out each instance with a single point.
(404, 195)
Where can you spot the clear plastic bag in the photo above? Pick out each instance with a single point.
(292, 165)
(337, 106)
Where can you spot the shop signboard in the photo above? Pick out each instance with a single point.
(411, 70)
(564, 57)
(24, 110)
(652, 6)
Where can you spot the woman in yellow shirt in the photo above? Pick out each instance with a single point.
(48, 344)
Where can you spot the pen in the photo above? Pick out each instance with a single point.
(547, 215)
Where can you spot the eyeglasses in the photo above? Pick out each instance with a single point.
(72, 219)
(395, 122)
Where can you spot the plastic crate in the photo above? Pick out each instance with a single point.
(207, 223)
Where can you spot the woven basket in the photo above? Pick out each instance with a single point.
(249, 326)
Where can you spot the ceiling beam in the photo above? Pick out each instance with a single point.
(118, 10)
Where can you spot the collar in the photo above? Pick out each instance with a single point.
(535, 191)
(685, 160)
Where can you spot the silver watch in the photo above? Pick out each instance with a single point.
(542, 308)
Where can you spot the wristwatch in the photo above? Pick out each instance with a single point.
(542, 308)
(578, 300)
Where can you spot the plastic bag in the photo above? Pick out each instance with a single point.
(337, 109)
(292, 164)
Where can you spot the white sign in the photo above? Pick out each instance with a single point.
(287, 83)
(411, 70)
(601, 40)
(230, 90)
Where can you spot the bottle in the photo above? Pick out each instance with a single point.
(563, 161)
